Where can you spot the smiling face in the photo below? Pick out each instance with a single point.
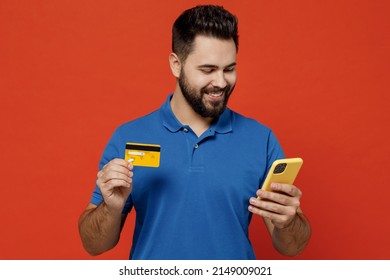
(208, 76)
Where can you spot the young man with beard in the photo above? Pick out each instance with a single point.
(199, 202)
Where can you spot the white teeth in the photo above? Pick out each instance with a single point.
(216, 94)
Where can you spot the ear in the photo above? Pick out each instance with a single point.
(175, 64)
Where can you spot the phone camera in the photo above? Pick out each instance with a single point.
(280, 168)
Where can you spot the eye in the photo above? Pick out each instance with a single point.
(230, 69)
(207, 70)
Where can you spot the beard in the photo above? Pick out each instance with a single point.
(195, 99)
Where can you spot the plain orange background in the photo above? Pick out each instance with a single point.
(316, 72)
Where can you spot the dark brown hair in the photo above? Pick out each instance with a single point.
(208, 20)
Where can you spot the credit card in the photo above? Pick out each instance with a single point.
(139, 154)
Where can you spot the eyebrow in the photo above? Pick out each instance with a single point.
(215, 66)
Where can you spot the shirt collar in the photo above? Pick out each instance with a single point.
(222, 125)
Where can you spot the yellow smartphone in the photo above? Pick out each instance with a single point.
(282, 171)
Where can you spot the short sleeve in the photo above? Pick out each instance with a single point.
(274, 152)
(114, 149)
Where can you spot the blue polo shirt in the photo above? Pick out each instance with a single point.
(195, 204)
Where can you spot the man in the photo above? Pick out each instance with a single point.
(199, 202)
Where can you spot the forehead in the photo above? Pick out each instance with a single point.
(213, 51)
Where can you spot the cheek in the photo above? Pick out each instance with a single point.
(231, 79)
(199, 81)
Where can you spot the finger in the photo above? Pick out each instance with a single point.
(114, 167)
(276, 218)
(264, 213)
(265, 205)
(291, 190)
(122, 162)
(279, 198)
(273, 207)
(115, 183)
(114, 175)
(118, 163)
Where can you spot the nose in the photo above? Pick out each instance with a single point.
(219, 79)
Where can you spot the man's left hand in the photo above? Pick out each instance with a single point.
(280, 205)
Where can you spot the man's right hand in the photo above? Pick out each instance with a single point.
(115, 183)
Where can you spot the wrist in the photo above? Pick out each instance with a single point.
(292, 224)
(111, 210)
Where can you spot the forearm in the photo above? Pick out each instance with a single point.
(291, 240)
(100, 229)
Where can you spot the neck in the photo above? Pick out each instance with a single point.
(186, 115)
